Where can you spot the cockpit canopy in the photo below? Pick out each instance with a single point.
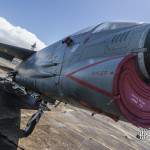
(106, 26)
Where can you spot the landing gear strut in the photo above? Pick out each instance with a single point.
(35, 119)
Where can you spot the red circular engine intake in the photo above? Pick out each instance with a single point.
(132, 93)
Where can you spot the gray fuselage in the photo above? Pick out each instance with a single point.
(83, 72)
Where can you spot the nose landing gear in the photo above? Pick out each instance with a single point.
(35, 119)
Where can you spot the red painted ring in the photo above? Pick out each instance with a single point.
(132, 94)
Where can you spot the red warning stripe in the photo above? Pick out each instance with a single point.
(87, 84)
(94, 64)
(91, 86)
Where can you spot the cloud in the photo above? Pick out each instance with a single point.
(18, 36)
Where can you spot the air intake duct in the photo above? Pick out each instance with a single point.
(147, 62)
(133, 92)
(144, 64)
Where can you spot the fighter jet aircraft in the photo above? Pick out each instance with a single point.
(104, 68)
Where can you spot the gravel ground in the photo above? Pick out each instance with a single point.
(68, 128)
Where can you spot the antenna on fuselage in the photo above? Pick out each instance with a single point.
(33, 46)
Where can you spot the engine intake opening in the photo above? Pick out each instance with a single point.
(147, 61)
(133, 93)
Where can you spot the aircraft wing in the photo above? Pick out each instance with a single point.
(9, 52)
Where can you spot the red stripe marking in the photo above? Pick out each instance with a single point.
(91, 65)
(89, 85)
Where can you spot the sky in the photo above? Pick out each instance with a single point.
(51, 20)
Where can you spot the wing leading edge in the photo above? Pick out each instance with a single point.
(9, 52)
